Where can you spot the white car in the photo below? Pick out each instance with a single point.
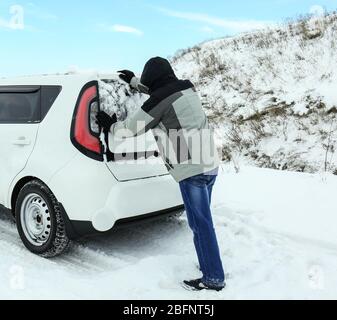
(54, 175)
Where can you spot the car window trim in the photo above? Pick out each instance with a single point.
(19, 89)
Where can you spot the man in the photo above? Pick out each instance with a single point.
(174, 113)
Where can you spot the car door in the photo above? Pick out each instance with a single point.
(20, 113)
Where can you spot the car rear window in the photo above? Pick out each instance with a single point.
(26, 104)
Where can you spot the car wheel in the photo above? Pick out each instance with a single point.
(40, 220)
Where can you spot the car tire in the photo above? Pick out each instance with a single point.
(40, 220)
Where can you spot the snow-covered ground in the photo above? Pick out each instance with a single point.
(277, 232)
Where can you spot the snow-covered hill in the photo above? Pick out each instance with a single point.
(271, 248)
(272, 94)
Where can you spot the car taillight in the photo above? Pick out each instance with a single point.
(83, 137)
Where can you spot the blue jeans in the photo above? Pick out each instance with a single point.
(197, 195)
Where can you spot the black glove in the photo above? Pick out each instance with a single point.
(126, 75)
(105, 121)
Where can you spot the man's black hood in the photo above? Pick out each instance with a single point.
(157, 74)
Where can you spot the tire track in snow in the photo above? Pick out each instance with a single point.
(78, 258)
(95, 254)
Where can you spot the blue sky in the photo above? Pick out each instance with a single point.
(39, 36)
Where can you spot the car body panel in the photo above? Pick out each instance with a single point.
(94, 195)
(16, 144)
(53, 148)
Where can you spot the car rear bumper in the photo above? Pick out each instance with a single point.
(137, 198)
(78, 229)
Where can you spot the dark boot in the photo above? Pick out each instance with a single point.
(198, 285)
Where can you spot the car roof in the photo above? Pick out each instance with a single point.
(55, 79)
